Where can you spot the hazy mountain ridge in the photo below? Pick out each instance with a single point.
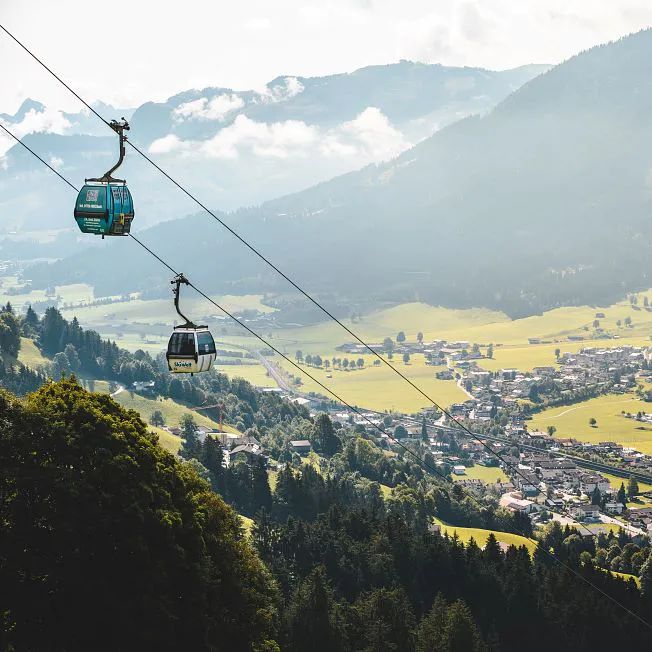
(237, 148)
(545, 201)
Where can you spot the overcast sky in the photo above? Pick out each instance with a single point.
(128, 53)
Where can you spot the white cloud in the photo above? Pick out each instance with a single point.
(217, 108)
(56, 162)
(290, 87)
(369, 137)
(46, 121)
(370, 134)
(167, 145)
(275, 140)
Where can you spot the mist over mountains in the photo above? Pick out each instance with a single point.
(240, 148)
(545, 201)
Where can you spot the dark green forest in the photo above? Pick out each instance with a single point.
(109, 542)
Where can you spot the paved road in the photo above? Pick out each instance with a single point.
(630, 529)
(118, 391)
(273, 372)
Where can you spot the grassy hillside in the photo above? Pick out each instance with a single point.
(30, 355)
(480, 535)
(172, 411)
(167, 440)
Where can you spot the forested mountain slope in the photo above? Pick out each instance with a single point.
(125, 547)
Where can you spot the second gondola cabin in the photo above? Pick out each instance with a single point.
(190, 350)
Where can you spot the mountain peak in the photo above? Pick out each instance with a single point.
(27, 106)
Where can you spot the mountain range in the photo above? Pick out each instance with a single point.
(544, 201)
(240, 148)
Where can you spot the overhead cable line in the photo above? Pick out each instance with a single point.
(420, 461)
(273, 266)
(459, 425)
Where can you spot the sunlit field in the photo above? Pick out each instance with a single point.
(378, 387)
(171, 410)
(487, 474)
(146, 325)
(573, 421)
(465, 534)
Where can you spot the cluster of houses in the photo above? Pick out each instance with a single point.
(437, 352)
(593, 369)
(540, 482)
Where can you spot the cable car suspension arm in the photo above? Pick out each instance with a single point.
(119, 128)
(177, 281)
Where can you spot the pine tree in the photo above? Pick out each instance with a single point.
(387, 620)
(30, 322)
(312, 622)
(261, 494)
(492, 552)
(622, 496)
(632, 487)
(431, 634)
(157, 419)
(213, 459)
(424, 431)
(329, 442)
(461, 633)
(191, 445)
(9, 334)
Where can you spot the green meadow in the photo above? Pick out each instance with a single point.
(487, 474)
(465, 534)
(573, 421)
(139, 324)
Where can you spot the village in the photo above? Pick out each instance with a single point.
(543, 476)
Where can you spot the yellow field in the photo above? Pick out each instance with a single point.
(573, 421)
(487, 474)
(172, 411)
(466, 533)
(379, 388)
(475, 325)
(29, 354)
(167, 440)
(256, 374)
(375, 387)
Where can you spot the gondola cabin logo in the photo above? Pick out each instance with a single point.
(182, 365)
(91, 195)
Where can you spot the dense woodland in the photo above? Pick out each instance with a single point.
(75, 350)
(109, 542)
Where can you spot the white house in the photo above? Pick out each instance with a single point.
(614, 508)
(582, 512)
